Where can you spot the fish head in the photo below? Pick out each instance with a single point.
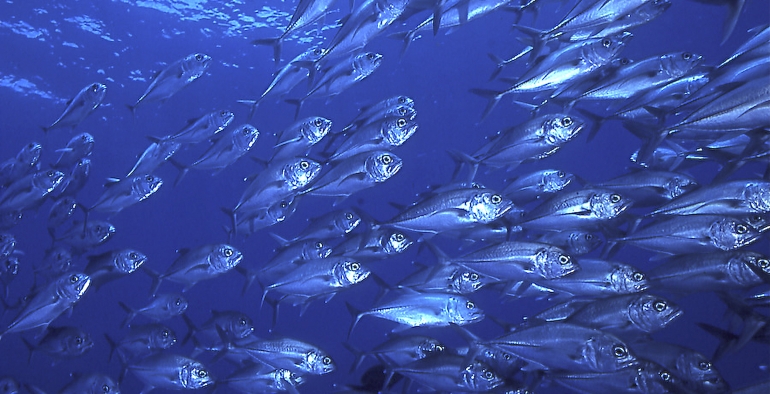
(607, 205)
(603, 50)
(365, 63)
(78, 342)
(396, 242)
(428, 347)
(381, 165)
(237, 324)
(350, 272)
(312, 249)
(728, 233)
(176, 303)
(82, 167)
(400, 100)
(679, 63)
(129, 260)
(346, 220)
(464, 311)
(143, 186)
(403, 111)
(487, 206)
(653, 378)
(318, 362)
(315, 128)
(47, 180)
(759, 222)
(466, 281)
(679, 184)
(650, 313)
(605, 353)
(83, 142)
(244, 137)
(279, 211)
(94, 94)
(225, 257)
(7, 244)
(552, 262)
(312, 55)
(100, 383)
(98, 231)
(161, 337)
(73, 285)
(397, 130)
(560, 128)
(196, 64)
(582, 242)
(555, 180)
(625, 279)
(746, 267)
(193, 375)
(479, 377)
(757, 196)
(29, 155)
(694, 367)
(301, 172)
(59, 259)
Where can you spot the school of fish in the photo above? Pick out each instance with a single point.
(596, 267)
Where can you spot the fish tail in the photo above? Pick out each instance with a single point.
(596, 121)
(356, 317)
(461, 158)
(231, 214)
(297, 103)
(156, 279)
(30, 348)
(273, 42)
(191, 328)
(735, 7)
(252, 104)
(132, 108)
(727, 340)
(131, 314)
(359, 356)
(183, 170)
(493, 96)
(113, 346)
(407, 37)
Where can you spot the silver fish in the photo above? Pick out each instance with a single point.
(203, 262)
(123, 193)
(203, 128)
(354, 174)
(86, 101)
(171, 372)
(174, 77)
(300, 136)
(161, 307)
(227, 149)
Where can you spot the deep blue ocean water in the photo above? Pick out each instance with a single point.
(50, 51)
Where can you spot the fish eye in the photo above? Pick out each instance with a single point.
(659, 306)
(401, 122)
(704, 365)
(105, 388)
(198, 57)
(243, 321)
(317, 51)
(284, 204)
(95, 88)
(488, 374)
(564, 259)
(402, 100)
(606, 42)
(319, 245)
(164, 333)
(638, 276)
(687, 56)
(245, 131)
(79, 340)
(588, 237)
(202, 374)
(304, 164)
(741, 229)
(763, 263)
(625, 61)
(98, 228)
(74, 279)
(470, 305)
(619, 351)
(327, 360)
(148, 178)
(665, 375)
(566, 121)
(386, 159)
(615, 198)
(370, 56)
(474, 276)
(49, 173)
(398, 236)
(401, 111)
(561, 174)
(318, 122)
(178, 302)
(348, 216)
(224, 113)
(228, 252)
(133, 256)
(355, 266)
(496, 199)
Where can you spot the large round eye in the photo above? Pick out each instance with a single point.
(588, 237)
(566, 121)
(95, 87)
(243, 321)
(386, 159)
(74, 279)
(563, 259)
(317, 122)
(399, 237)
(304, 164)
(638, 276)
(133, 256)
(284, 204)
(245, 131)
(488, 374)
(355, 266)
(327, 360)
(763, 263)
(606, 42)
(659, 306)
(704, 365)
(224, 113)
(49, 173)
(105, 388)
(506, 356)
(615, 198)
(149, 178)
(687, 56)
(470, 305)
(561, 174)
(318, 51)
(496, 199)
(98, 228)
(401, 122)
(228, 252)
(202, 374)
(319, 245)
(198, 57)
(625, 61)
(348, 216)
(402, 100)
(164, 333)
(619, 351)
(178, 302)
(401, 111)
(370, 56)
(474, 276)
(741, 229)
(79, 340)
(665, 376)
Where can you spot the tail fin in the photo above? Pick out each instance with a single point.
(156, 279)
(273, 42)
(131, 314)
(493, 96)
(297, 103)
(252, 104)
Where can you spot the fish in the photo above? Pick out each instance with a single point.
(173, 78)
(91, 383)
(584, 209)
(354, 174)
(291, 354)
(111, 265)
(159, 151)
(120, 194)
(80, 146)
(261, 379)
(50, 302)
(142, 341)
(202, 128)
(200, 263)
(83, 237)
(30, 191)
(537, 185)
(384, 134)
(171, 372)
(227, 149)
(366, 21)
(75, 179)
(24, 163)
(64, 342)
(78, 108)
(161, 307)
(299, 137)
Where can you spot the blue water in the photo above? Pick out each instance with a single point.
(50, 51)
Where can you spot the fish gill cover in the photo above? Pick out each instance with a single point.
(486, 221)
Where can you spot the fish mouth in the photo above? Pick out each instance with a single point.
(83, 286)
